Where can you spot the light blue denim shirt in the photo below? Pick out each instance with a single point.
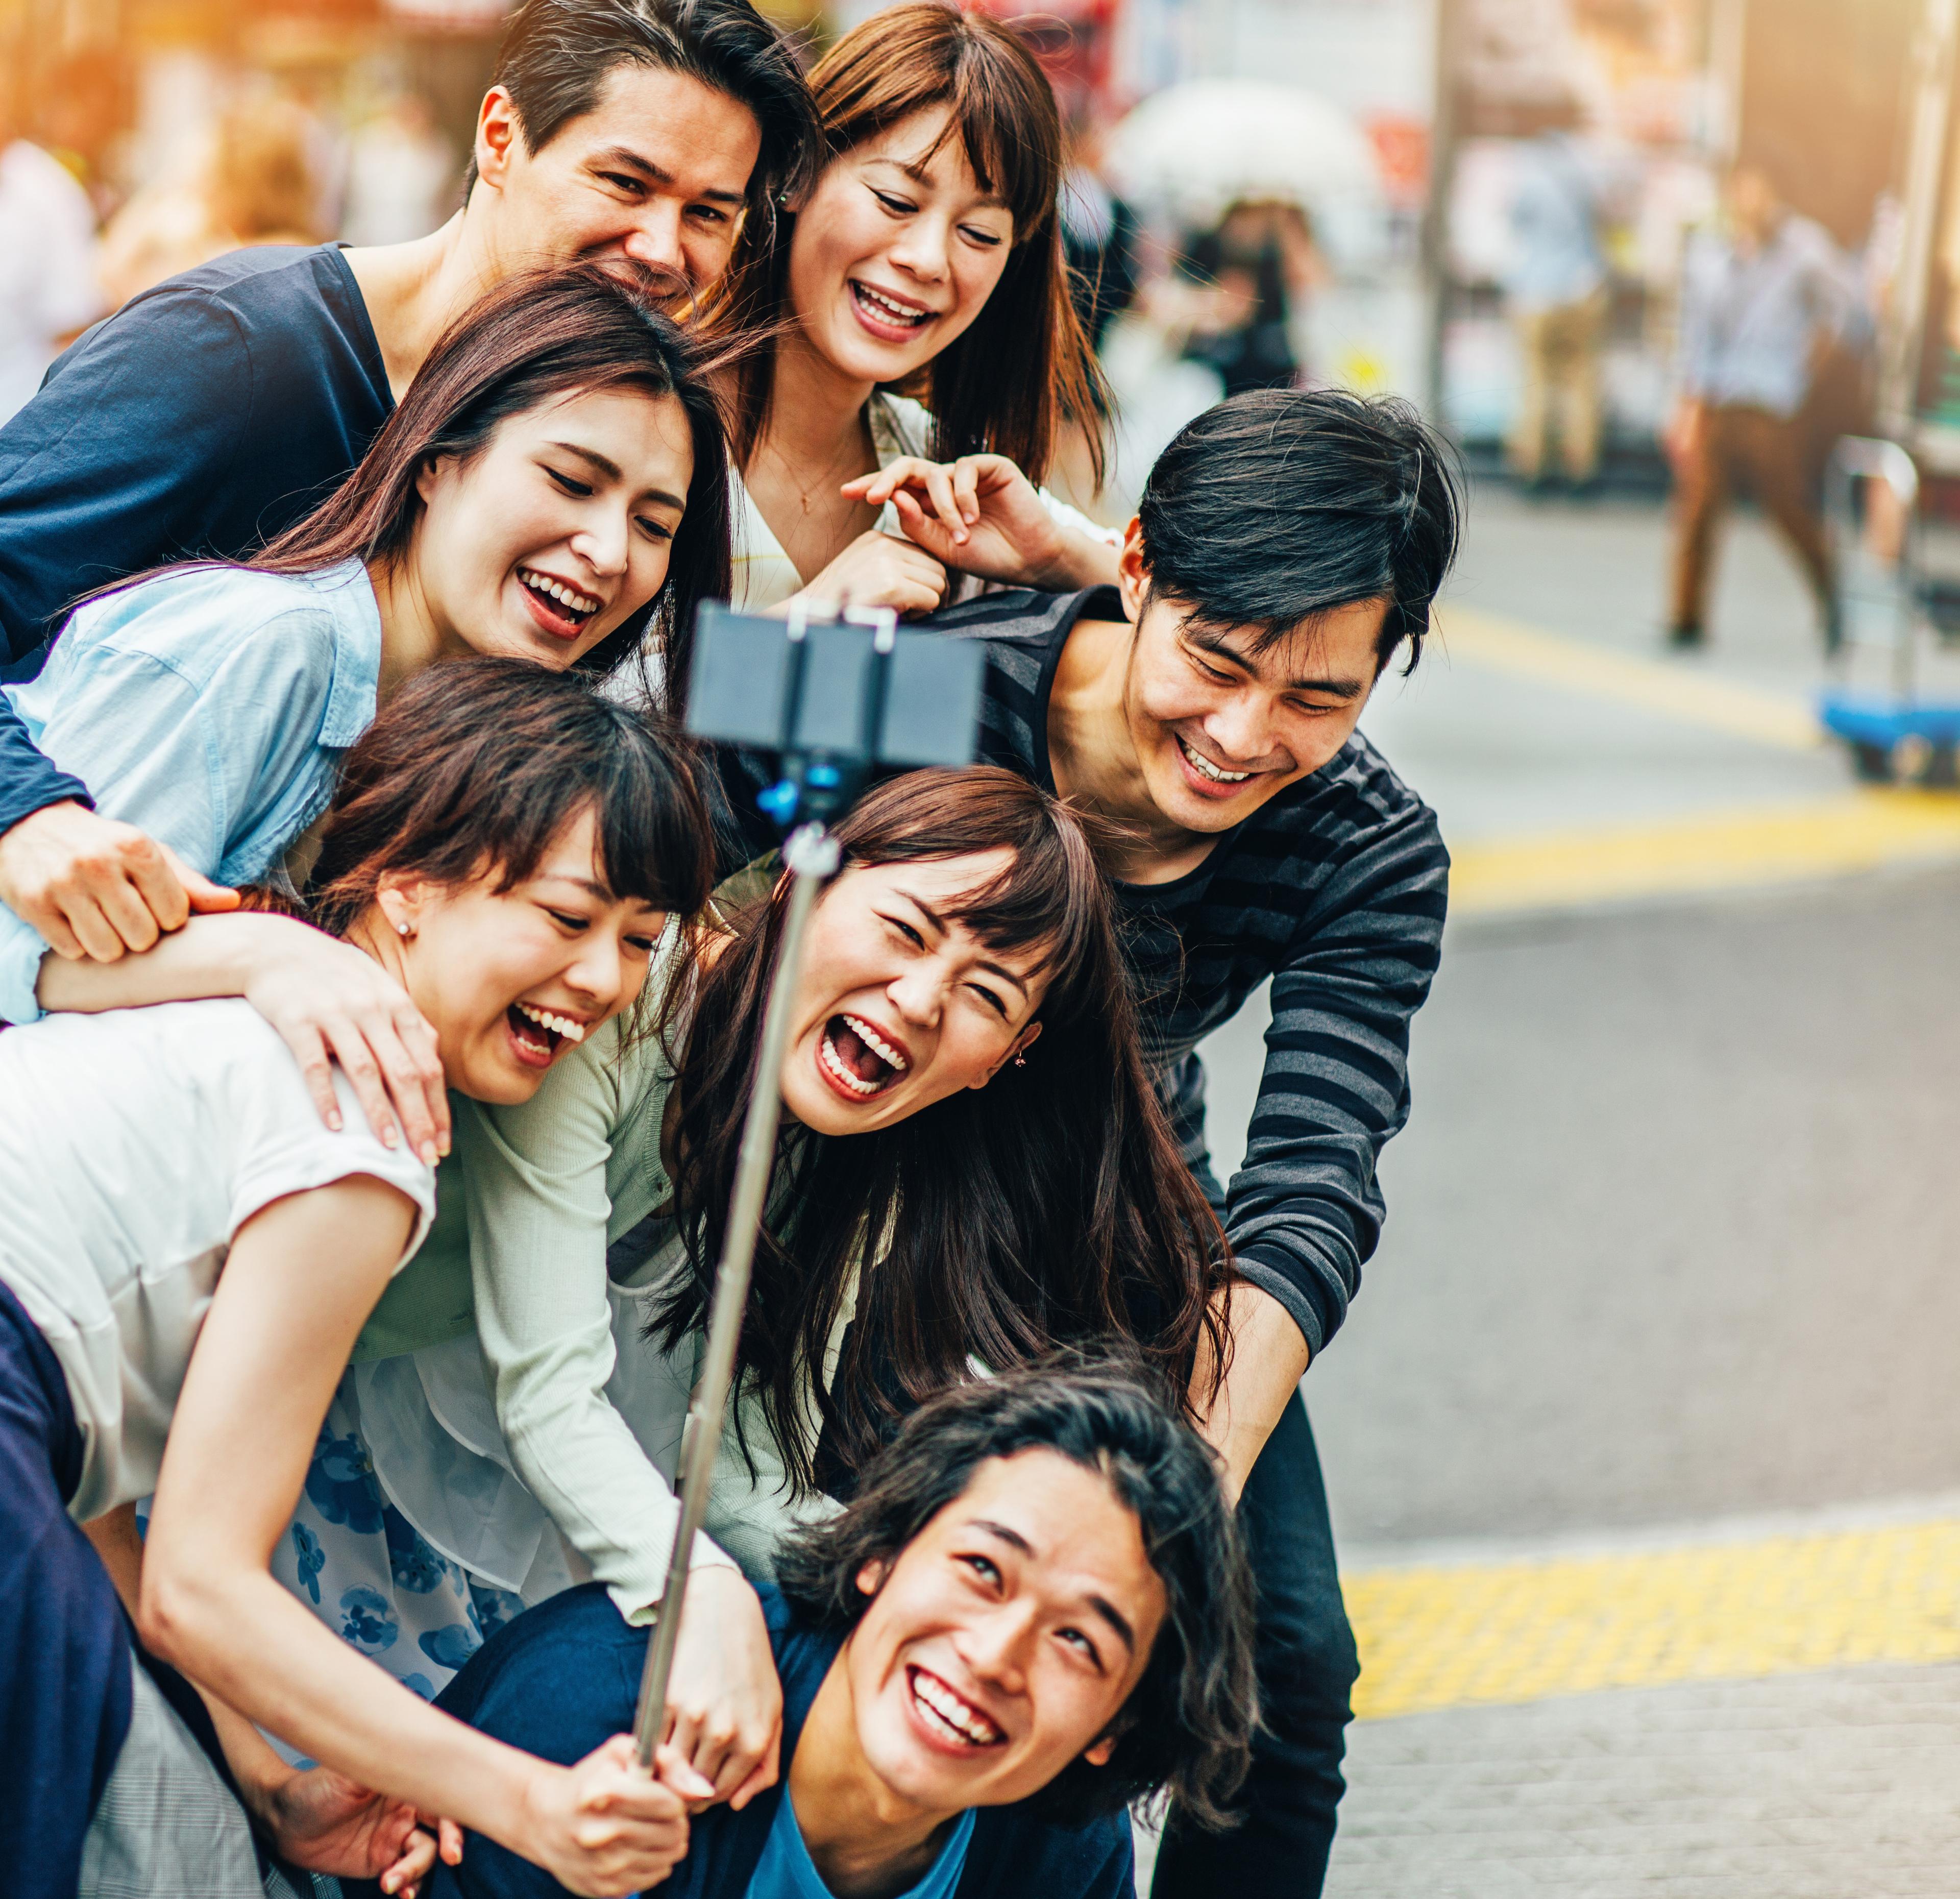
(1554, 212)
(209, 708)
(1750, 321)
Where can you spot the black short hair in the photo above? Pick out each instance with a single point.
(555, 55)
(1282, 504)
(1187, 1727)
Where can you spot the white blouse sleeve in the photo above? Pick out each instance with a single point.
(537, 1198)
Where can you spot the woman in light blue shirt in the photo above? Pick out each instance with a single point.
(553, 487)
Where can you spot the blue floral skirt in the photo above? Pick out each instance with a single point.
(366, 1571)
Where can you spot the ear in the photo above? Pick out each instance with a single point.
(1023, 1043)
(499, 142)
(402, 901)
(871, 1578)
(1098, 1755)
(425, 478)
(1133, 573)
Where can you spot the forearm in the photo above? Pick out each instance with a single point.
(208, 956)
(1083, 562)
(220, 1628)
(1269, 1356)
(1089, 556)
(578, 1455)
(257, 1768)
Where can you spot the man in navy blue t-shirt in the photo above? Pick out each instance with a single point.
(1033, 1612)
(215, 411)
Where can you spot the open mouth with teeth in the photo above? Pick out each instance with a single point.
(949, 1718)
(560, 609)
(538, 1034)
(857, 1061)
(885, 313)
(1211, 773)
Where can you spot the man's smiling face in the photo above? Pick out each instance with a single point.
(1005, 1637)
(1224, 718)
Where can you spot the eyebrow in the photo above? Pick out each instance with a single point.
(1101, 1604)
(940, 924)
(612, 471)
(626, 156)
(919, 175)
(1214, 643)
(597, 891)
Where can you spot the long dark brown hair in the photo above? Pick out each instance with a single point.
(1023, 366)
(1050, 1207)
(536, 338)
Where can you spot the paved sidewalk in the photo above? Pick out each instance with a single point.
(1839, 1785)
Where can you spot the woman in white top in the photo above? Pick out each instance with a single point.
(186, 1254)
(926, 258)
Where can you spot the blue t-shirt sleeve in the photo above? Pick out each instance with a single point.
(28, 783)
(99, 477)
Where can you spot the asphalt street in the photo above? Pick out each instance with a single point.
(1669, 1272)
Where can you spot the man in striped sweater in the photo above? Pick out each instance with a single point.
(1288, 547)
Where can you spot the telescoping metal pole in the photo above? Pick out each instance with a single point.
(810, 856)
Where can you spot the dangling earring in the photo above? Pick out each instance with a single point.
(1021, 1059)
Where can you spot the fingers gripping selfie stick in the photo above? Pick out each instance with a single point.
(831, 700)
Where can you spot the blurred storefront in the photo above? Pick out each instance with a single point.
(1661, 96)
(1640, 87)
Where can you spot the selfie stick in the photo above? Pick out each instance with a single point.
(831, 700)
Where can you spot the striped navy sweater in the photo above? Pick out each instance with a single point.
(1336, 889)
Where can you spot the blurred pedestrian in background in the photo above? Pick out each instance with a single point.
(402, 178)
(1764, 299)
(1099, 237)
(1258, 267)
(48, 287)
(256, 186)
(1555, 292)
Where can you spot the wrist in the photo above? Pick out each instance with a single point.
(250, 947)
(1071, 562)
(262, 1786)
(535, 1797)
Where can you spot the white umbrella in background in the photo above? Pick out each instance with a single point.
(1194, 148)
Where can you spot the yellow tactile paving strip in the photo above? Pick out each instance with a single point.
(1447, 1636)
(1709, 850)
(1675, 691)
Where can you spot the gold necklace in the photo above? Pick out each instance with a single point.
(823, 479)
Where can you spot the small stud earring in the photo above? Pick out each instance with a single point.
(405, 930)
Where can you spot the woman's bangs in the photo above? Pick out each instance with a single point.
(1003, 147)
(646, 831)
(1032, 905)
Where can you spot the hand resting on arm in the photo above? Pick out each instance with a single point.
(328, 1001)
(92, 886)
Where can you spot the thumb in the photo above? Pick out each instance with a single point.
(204, 894)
